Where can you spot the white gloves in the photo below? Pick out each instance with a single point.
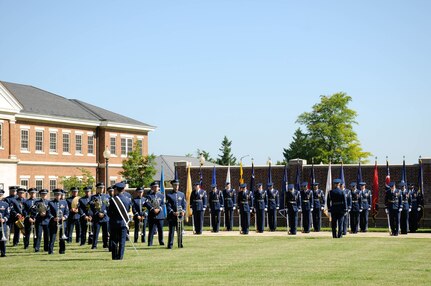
(386, 211)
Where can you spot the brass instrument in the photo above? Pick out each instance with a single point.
(41, 209)
(3, 235)
(180, 219)
(74, 204)
(20, 224)
(60, 225)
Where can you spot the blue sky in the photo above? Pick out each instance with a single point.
(199, 70)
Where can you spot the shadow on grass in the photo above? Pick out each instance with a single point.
(73, 259)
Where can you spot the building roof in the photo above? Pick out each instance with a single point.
(36, 101)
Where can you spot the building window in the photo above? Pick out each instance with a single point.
(24, 140)
(113, 144)
(126, 146)
(39, 184)
(90, 144)
(129, 145)
(24, 183)
(140, 146)
(112, 182)
(53, 142)
(66, 143)
(39, 140)
(1, 134)
(78, 144)
(52, 184)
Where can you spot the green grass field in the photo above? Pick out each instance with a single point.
(234, 260)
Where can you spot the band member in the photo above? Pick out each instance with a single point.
(4, 217)
(216, 202)
(306, 207)
(42, 218)
(17, 214)
(140, 207)
(58, 213)
(110, 191)
(244, 203)
(293, 205)
(414, 214)
(346, 218)
(73, 218)
(198, 200)
(9, 199)
(406, 208)
(356, 206)
(393, 207)
(155, 218)
(119, 206)
(176, 207)
(273, 206)
(86, 216)
(337, 206)
(260, 207)
(318, 205)
(229, 196)
(99, 209)
(366, 199)
(29, 211)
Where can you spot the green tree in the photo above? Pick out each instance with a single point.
(86, 180)
(226, 158)
(330, 130)
(206, 155)
(138, 169)
(300, 147)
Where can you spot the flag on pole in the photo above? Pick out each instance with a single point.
(298, 176)
(214, 180)
(188, 194)
(252, 183)
(388, 174)
(421, 179)
(312, 176)
(328, 189)
(284, 184)
(342, 174)
(241, 174)
(359, 174)
(162, 189)
(228, 174)
(201, 177)
(404, 173)
(375, 191)
(175, 173)
(269, 173)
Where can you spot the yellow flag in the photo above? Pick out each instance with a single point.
(241, 173)
(188, 194)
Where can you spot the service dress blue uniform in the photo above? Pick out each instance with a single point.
(140, 208)
(57, 209)
(42, 218)
(307, 207)
(393, 209)
(229, 196)
(406, 208)
(85, 219)
(17, 213)
(260, 201)
(216, 204)
(273, 207)
(245, 200)
(318, 204)
(73, 222)
(99, 208)
(198, 200)
(157, 201)
(354, 212)
(293, 205)
(29, 211)
(175, 203)
(9, 200)
(117, 225)
(414, 214)
(366, 199)
(346, 219)
(337, 206)
(4, 214)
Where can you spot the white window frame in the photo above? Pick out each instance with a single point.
(90, 147)
(51, 185)
(67, 144)
(38, 179)
(25, 129)
(113, 147)
(23, 181)
(53, 143)
(36, 141)
(78, 151)
(1, 134)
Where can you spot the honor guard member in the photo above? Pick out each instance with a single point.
(273, 206)
(318, 205)
(337, 206)
(155, 218)
(29, 212)
(229, 196)
(140, 207)
(110, 191)
(10, 199)
(58, 213)
(118, 209)
(260, 205)
(86, 216)
(176, 207)
(307, 206)
(4, 217)
(406, 207)
(99, 208)
(42, 218)
(414, 214)
(198, 201)
(366, 199)
(216, 207)
(346, 219)
(356, 206)
(74, 216)
(393, 207)
(17, 214)
(421, 205)
(293, 205)
(244, 203)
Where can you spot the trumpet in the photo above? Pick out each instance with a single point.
(180, 226)
(60, 225)
(3, 236)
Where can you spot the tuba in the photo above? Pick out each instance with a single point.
(41, 209)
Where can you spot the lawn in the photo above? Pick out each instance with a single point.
(238, 260)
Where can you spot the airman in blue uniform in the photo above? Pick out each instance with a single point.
(86, 216)
(17, 213)
(176, 208)
(229, 196)
(9, 199)
(4, 217)
(366, 199)
(155, 218)
(58, 213)
(140, 208)
(393, 207)
(260, 202)
(293, 205)
(318, 205)
(307, 201)
(245, 200)
(119, 206)
(414, 214)
(29, 211)
(73, 218)
(406, 207)
(99, 207)
(216, 204)
(198, 201)
(337, 206)
(273, 206)
(356, 206)
(346, 219)
(42, 218)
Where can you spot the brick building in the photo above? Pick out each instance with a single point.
(44, 137)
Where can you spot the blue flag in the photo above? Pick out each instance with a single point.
(252, 183)
(312, 177)
(214, 180)
(404, 173)
(359, 174)
(162, 189)
(284, 184)
(298, 177)
(421, 179)
(269, 173)
(342, 174)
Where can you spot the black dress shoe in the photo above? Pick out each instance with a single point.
(162, 243)
(3, 255)
(94, 247)
(169, 247)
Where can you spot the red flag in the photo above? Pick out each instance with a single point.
(375, 190)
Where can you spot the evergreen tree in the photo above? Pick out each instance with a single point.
(226, 158)
(300, 147)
